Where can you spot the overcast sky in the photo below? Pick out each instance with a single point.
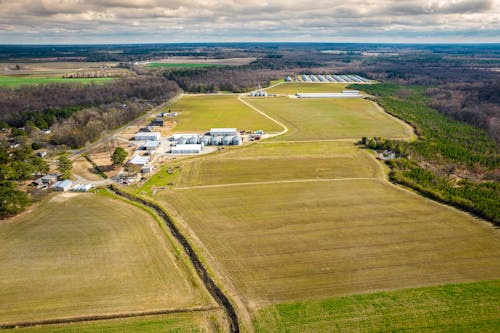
(163, 21)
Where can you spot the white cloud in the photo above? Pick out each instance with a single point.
(102, 21)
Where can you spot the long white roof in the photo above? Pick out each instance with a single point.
(139, 160)
(148, 134)
(187, 147)
(223, 130)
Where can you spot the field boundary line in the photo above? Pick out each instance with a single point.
(306, 180)
(68, 320)
(214, 290)
(285, 129)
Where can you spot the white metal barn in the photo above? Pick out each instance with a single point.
(139, 160)
(330, 95)
(176, 137)
(62, 185)
(146, 136)
(187, 149)
(223, 131)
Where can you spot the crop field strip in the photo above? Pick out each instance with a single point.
(336, 239)
(206, 321)
(200, 113)
(330, 118)
(291, 88)
(83, 255)
(15, 82)
(467, 307)
(277, 162)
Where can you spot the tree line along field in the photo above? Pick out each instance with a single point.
(295, 87)
(467, 308)
(90, 254)
(329, 118)
(202, 112)
(14, 81)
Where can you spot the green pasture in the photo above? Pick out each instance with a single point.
(16, 81)
(199, 113)
(459, 308)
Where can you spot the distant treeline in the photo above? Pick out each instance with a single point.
(235, 78)
(452, 162)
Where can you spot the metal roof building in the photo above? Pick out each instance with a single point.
(187, 149)
(176, 137)
(139, 160)
(329, 95)
(150, 145)
(223, 131)
(153, 136)
(62, 185)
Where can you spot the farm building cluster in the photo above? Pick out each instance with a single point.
(54, 182)
(194, 143)
(351, 78)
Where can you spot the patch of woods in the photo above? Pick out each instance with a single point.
(18, 166)
(80, 113)
(451, 162)
(235, 79)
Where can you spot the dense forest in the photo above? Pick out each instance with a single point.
(451, 162)
(80, 113)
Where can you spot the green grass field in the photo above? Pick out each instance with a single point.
(277, 162)
(294, 241)
(15, 81)
(193, 322)
(86, 254)
(295, 87)
(312, 119)
(180, 65)
(200, 113)
(466, 308)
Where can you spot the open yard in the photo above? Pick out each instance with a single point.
(304, 240)
(278, 162)
(466, 308)
(295, 87)
(313, 119)
(200, 113)
(91, 254)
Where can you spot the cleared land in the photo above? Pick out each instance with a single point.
(200, 113)
(295, 241)
(180, 65)
(278, 162)
(294, 87)
(88, 254)
(470, 307)
(14, 81)
(178, 322)
(329, 118)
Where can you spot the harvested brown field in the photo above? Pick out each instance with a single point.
(296, 241)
